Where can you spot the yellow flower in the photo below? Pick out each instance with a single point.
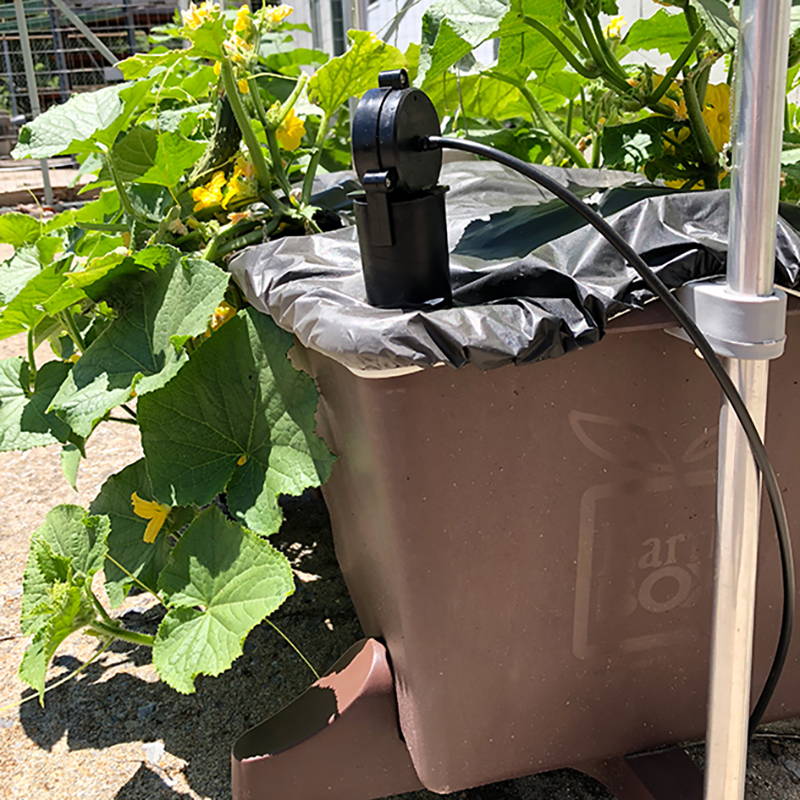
(717, 114)
(243, 23)
(242, 184)
(237, 48)
(150, 510)
(222, 313)
(614, 28)
(291, 131)
(277, 14)
(217, 68)
(195, 16)
(210, 194)
(244, 86)
(238, 216)
(242, 460)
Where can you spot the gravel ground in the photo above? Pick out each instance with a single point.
(116, 732)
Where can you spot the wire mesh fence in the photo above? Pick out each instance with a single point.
(65, 61)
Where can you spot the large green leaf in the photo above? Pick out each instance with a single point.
(140, 64)
(69, 127)
(135, 153)
(237, 417)
(351, 74)
(141, 348)
(65, 553)
(126, 543)
(45, 294)
(17, 271)
(83, 121)
(174, 156)
(632, 145)
(18, 229)
(24, 420)
(665, 32)
(220, 581)
(718, 18)
(451, 29)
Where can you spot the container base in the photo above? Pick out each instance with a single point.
(340, 740)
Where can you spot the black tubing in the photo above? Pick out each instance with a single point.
(659, 289)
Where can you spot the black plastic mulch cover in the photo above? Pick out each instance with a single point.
(529, 281)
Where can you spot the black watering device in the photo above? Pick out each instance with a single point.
(400, 214)
(402, 235)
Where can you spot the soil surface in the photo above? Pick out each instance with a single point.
(116, 732)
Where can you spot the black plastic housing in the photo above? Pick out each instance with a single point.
(413, 271)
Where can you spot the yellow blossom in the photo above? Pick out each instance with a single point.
(717, 114)
(237, 48)
(150, 510)
(614, 28)
(217, 68)
(238, 216)
(222, 313)
(210, 194)
(244, 86)
(194, 16)
(277, 14)
(242, 184)
(242, 460)
(291, 131)
(243, 22)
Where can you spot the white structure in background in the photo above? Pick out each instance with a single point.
(398, 21)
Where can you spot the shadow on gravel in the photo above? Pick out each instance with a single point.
(96, 711)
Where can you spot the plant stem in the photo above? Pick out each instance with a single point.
(72, 329)
(702, 137)
(124, 200)
(609, 58)
(288, 104)
(544, 119)
(575, 40)
(582, 69)
(254, 237)
(313, 164)
(250, 138)
(31, 361)
(679, 64)
(118, 632)
(130, 575)
(608, 75)
(294, 647)
(103, 613)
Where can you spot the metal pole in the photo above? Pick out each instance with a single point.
(760, 86)
(33, 91)
(92, 37)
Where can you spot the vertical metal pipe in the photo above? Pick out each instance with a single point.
(58, 51)
(33, 91)
(760, 88)
(12, 84)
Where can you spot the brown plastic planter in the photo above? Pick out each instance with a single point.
(534, 547)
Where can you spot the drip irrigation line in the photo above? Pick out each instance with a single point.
(713, 362)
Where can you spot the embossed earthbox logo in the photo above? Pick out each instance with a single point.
(645, 537)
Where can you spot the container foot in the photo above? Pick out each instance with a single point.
(339, 740)
(666, 775)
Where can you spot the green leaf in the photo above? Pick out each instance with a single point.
(17, 271)
(135, 153)
(665, 32)
(45, 294)
(71, 126)
(68, 546)
(718, 18)
(65, 553)
(70, 462)
(24, 420)
(139, 65)
(452, 29)
(18, 229)
(126, 543)
(237, 417)
(67, 609)
(174, 156)
(630, 146)
(137, 350)
(351, 74)
(220, 581)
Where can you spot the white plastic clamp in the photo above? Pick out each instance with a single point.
(736, 325)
